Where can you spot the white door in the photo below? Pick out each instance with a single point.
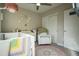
(71, 31)
(50, 22)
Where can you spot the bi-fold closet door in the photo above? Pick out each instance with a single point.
(50, 22)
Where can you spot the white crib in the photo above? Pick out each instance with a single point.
(5, 44)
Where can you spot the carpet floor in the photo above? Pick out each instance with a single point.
(49, 50)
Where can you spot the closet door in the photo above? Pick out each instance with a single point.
(71, 31)
(50, 22)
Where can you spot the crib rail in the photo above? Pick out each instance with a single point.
(20, 44)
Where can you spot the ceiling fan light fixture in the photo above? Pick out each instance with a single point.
(38, 4)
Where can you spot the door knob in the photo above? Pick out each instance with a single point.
(65, 31)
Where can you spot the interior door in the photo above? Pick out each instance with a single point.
(71, 31)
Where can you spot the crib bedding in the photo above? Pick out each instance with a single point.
(17, 46)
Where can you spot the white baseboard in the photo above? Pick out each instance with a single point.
(60, 44)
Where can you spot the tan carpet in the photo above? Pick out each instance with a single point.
(49, 50)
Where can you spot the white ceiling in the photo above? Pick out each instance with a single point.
(32, 7)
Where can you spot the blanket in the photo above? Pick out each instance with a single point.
(17, 46)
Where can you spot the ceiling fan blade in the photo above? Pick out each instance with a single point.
(47, 4)
(32, 3)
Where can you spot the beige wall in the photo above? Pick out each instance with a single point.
(19, 19)
(60, 21)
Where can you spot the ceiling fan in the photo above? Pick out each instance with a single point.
(39, 4)
(11, 7)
